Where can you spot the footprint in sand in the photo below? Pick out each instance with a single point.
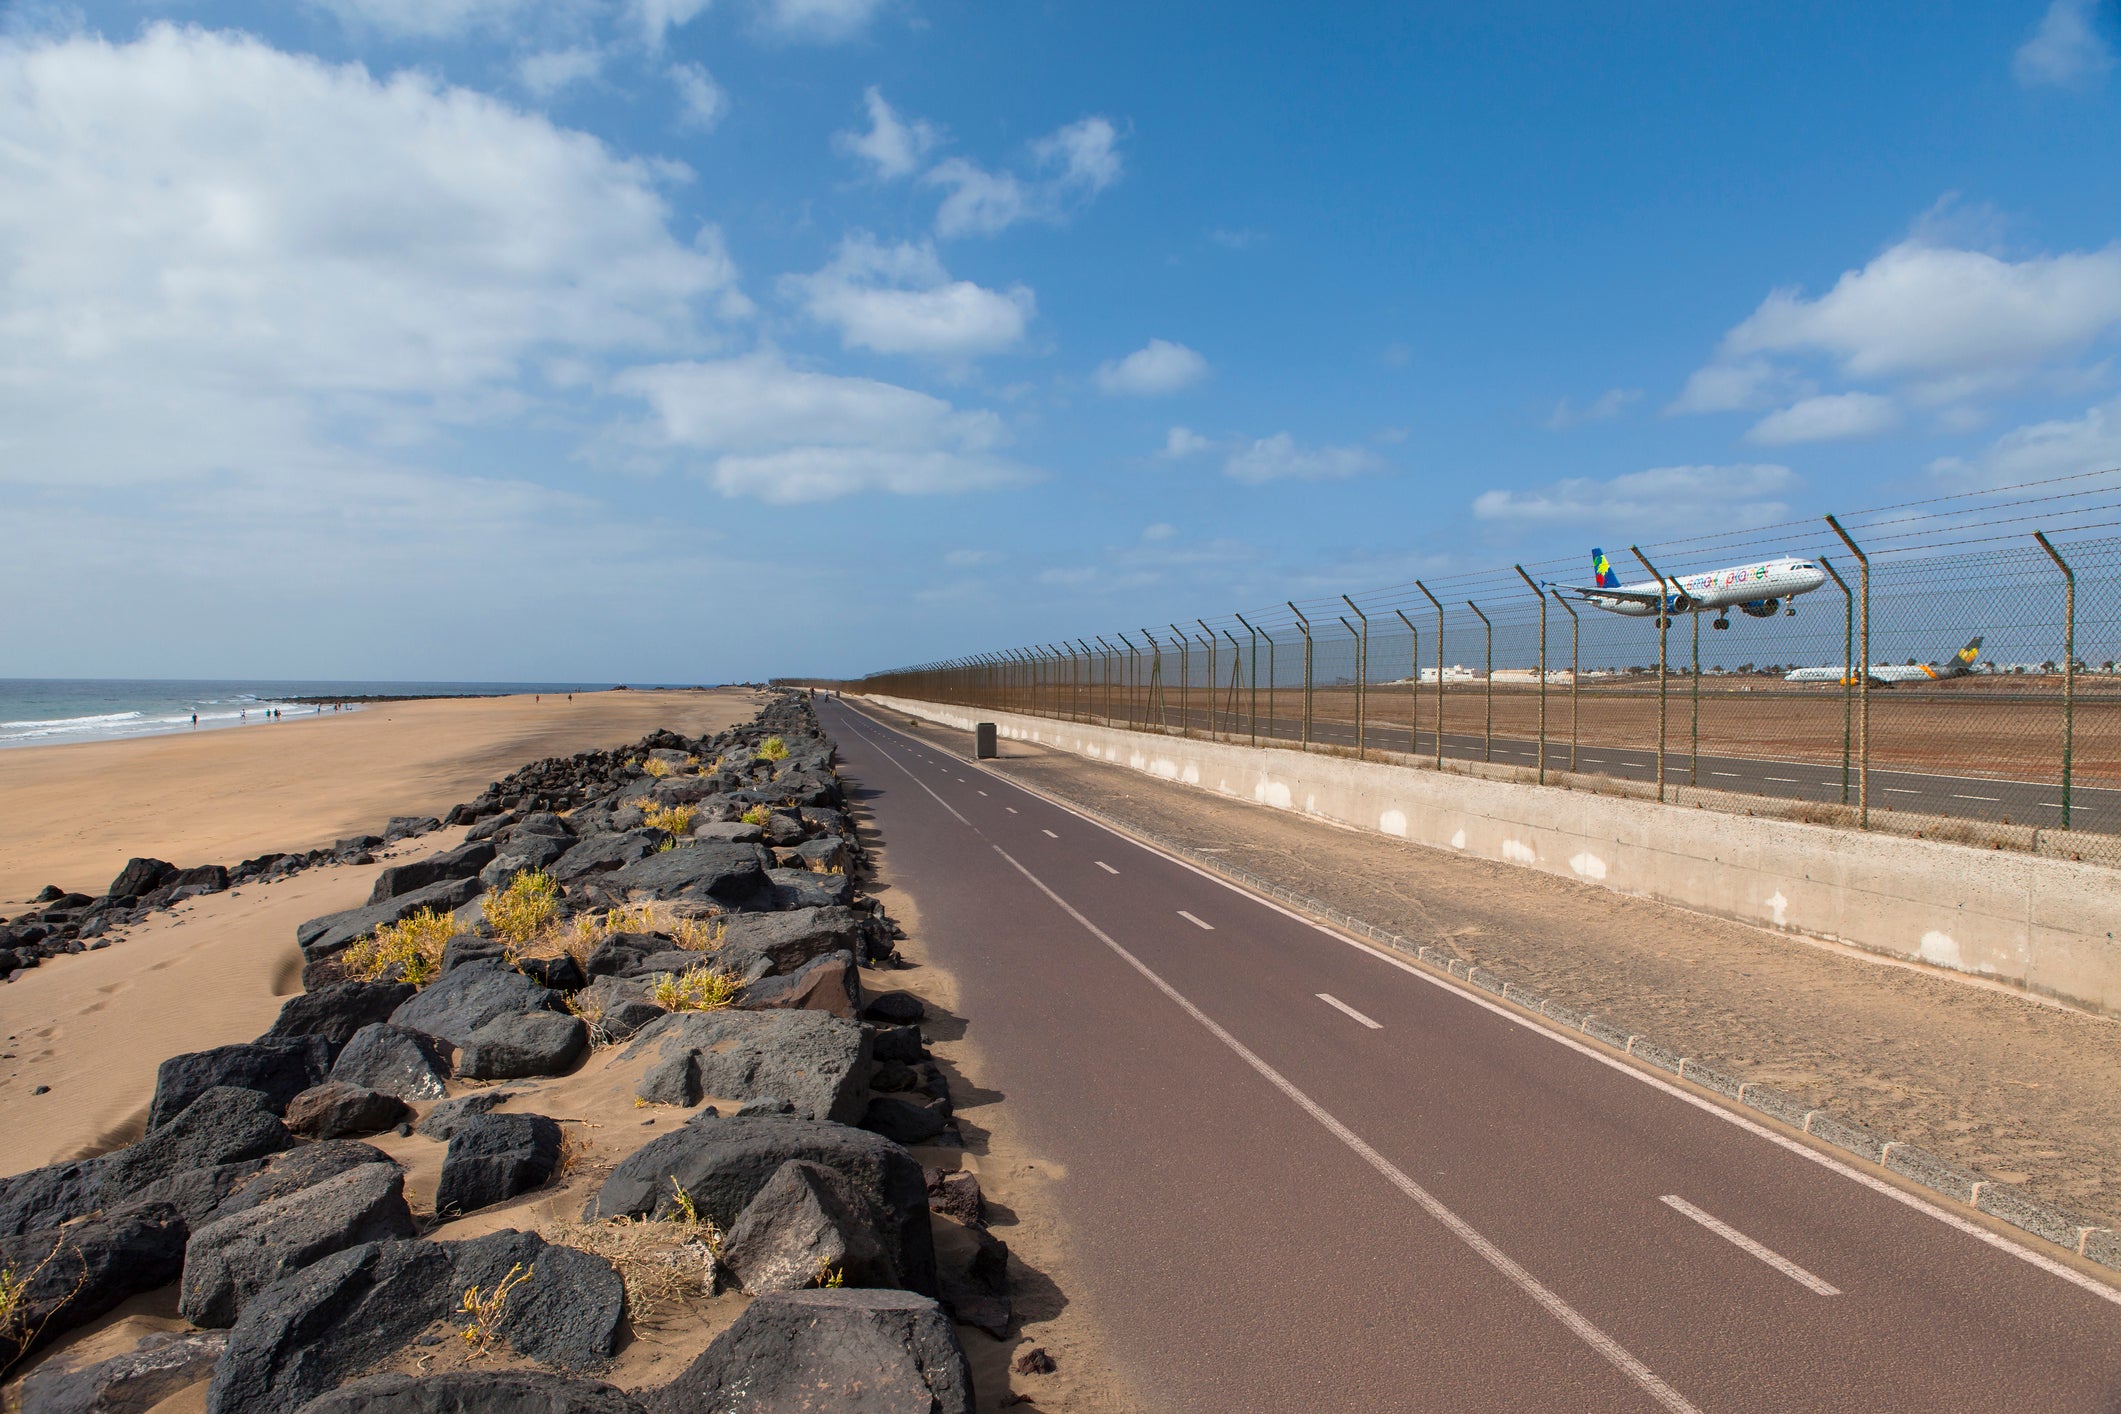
(92, 1008)
(113, 987)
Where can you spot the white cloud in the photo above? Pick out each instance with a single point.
(2067, 50)
(1080, 160)
(1662, 497)
(1162, 530)
(900, 299)
(1829, 417)
(549, 71)
(1279, 458)
(785, 435)
(656, 18)
(1948, 323)
(818, 19)
(2043, 449)
(1182, 442)
(431, 19)
(1154, 370)
(893, 146)
(1609, 404)
(972, 559)
(701, 101)
(1239, 238)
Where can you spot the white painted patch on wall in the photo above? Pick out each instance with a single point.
(1191, 775)
(1778, 906)
(1310, 805)
(1518, 852)
(1165, 767)
(1588, 866)
(1941, 949)
(1458, 839)
(1274, 793)
(1138, 761)
(1393, 822)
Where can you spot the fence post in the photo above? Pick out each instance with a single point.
(1439, 669)
(1237, 671)
(1134, 675)
(1413, 684)
(1304, 625)
(1185, 679)
(1211, 676)
(1664, 628)
(1355, 634)
(1252, 712)
(1541, 596)
(1487, 731)
(1575, 671)
(1693, 748)
(1863, 681)
(2069, 663)
(1089, 683)
(1362, 674)
(1848, 671)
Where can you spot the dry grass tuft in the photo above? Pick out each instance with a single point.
(695, 989)
(485, 1309)
(698, 934)
(757, 815)
(523, 910)
(663, 1264)
(773, 749)
(410, 950)
(670, 819)
(655, 767)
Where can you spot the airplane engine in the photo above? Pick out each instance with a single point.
(1761, 608)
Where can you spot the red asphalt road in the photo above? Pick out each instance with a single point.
(1273, 1205)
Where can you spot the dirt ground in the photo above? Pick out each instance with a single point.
(2019, 1089)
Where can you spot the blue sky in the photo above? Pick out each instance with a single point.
(671, 340)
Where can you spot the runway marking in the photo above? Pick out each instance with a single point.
(1106, 867)
(1049, 834)
(1210, 927)
(1991, 799)
(1338, 1005)
(1738, 1239)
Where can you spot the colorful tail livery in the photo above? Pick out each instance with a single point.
(1887, 674)
(1602, 573)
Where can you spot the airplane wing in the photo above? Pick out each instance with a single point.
(1680, 602)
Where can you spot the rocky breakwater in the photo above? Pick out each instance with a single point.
(610, 1064)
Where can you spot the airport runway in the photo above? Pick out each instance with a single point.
(2092, 809)
(1299, 1175)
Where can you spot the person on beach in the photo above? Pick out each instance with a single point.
(195, 721)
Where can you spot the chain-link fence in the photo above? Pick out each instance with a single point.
(1952, 675)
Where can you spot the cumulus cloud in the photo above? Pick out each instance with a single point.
(900, 299)
(433, 19)
(758, 427)
(893, 146)
(1070, 165)
(1663, 497)
(549, 71)
(1280, 458)
(701, 101)
(2059, 448)
(1609, 404)
(657, 18)
(2067, 50)
(1182, 442)
(1154, 370)
(817, 19)
(1946, 323)
(1829, 417)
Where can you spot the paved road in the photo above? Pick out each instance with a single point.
(2092, 809)
(1303, 1176)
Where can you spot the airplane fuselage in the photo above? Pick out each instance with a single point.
(1755, 588)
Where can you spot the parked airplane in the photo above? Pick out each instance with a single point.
(1756, 590)
(1886, 674)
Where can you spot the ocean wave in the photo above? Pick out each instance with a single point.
(78, 723)
(138, 723)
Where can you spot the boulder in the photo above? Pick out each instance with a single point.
(445, 1119)
(76, 1273)
(208, 1194)
(722, 1164)
(899, 1043)
(521, 1044)
(733, 831)
(600, 854)
(474, 1392)
(976, 1288)
(230, 1260)
(799, 888)
(672, 1080)
(543, 822)
(570, 1310)
(522, 854)
(902, 1121)
(620, 1005)
(131, 1383)
(845, 1351)
(336, 1011)
(828, 855)
(806, 1057)
(830, 984)
(955, 1193)
(277, 1069)
(807, 1223)
(561, 974)
(895, 1008)
(222, 1126)
(797, 937)
(336, 1109)
(332, 934)
(402, 827)
(465, 998)
(140, 876)
(471, 947)
(494, 1157)
(892, 1077)
(463, 862)
(705, 871)
(46, 1197)
(394, 1060)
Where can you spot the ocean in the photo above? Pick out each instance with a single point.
(44, 711)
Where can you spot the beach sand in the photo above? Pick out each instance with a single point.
(94, 1026)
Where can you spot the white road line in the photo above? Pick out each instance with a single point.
(1106, 867)
(1896, 790)
(1195, 921)
(1049, 834)
(1738, 1239)
(1991, 799)
(983, 792)
(1010, 808)
(1338, 1005)
(1727, 775)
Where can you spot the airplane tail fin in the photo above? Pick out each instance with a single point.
(1964, 658)
(1602, 570)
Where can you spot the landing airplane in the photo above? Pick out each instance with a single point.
(1886, 674)
(1756, 590)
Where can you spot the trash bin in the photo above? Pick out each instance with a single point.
(984, 746)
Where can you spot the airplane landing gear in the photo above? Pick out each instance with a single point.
(1720, 623)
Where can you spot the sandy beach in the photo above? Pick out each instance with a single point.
(94, 1026)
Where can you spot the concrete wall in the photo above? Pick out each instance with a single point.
(2047, 925)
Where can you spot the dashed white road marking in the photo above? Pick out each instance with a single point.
(1786, 780)
(1049, 834)
(1991, 799)
(1738, 1239)
(1727, 775)
(1338, 1005)
(1896, 790)
(1106, 867)
(983, 792)
(1195, 921)
(1010, 808)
